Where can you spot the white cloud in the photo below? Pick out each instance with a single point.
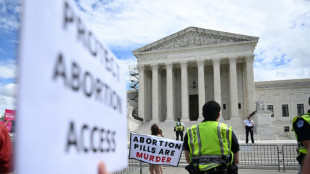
(127, 64)
(7, 70)
(9, 10)
(8, 90)
(283, 27)
(6, 103)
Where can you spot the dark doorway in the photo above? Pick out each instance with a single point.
(193, 107)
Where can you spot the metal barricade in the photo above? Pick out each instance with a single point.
(289, 155)
(133, 166)
(253, 156)
(250, 156)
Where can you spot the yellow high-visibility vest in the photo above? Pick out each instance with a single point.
(209, 142)
(306, 118)
(178, 128)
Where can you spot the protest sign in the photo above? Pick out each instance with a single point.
(72, 94)
(155, 150)
(7, 124)
(9, 114)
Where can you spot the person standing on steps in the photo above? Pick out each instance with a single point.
(248, 129)
(178, 129)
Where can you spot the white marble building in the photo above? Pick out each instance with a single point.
(179, 73)
(286, 99)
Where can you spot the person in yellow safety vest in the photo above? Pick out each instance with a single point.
(301, 127)
(178, 129)
(211, 147)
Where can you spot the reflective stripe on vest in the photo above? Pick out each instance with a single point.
(306, 118)
(209, 140)
(178, 128)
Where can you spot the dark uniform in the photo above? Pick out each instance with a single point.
(212, 148)
(301, 127)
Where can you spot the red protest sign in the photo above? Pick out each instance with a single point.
(9, 114)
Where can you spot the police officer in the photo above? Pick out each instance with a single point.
(301, 127)
(248, 129)
(211, 147)
(178, 129)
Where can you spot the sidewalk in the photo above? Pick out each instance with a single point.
(242, 142)
(170, 170)
(179, 170)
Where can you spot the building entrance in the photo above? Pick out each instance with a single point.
(193, 107)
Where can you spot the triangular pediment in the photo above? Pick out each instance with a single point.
(195, 37)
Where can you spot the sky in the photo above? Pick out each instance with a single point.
(283, 28)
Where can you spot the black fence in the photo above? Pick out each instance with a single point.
(267, 156)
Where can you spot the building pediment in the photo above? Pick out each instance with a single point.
(195, 37)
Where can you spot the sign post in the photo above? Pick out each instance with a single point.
(7, 124)
(74, 89)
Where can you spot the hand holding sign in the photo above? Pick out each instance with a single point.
(102, 168)
(7, 124)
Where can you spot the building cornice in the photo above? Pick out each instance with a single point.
(283, 83)
(176, 41)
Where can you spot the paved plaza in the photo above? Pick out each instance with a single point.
(181, 170)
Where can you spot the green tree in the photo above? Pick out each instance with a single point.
(2, 117)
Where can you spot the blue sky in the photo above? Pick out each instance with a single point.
(283, 28)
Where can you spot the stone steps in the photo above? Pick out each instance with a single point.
(167, 128)
(237, 126)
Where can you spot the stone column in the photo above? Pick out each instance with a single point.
(141, 93)
(217, 83)
(155, 106)
(170, 92)
(184, 91)
(250, 84)
(233, 88)
(201, 85)
(217, 80)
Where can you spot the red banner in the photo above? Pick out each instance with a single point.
(9, 114)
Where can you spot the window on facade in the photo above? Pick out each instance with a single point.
(286, 128)
(224, 106)
(285, 110)
(239, 105)
(300, 109)
(270, 108)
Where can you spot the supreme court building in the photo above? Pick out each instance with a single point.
(179, 73)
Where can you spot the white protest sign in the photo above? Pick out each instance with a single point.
(72, 94)
(155, 150)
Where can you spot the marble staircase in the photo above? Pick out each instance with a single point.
(167, 128)
(238, 128)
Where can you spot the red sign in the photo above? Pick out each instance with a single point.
(8, 125)
(9, 114)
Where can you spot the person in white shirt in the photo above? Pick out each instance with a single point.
(248, 128)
